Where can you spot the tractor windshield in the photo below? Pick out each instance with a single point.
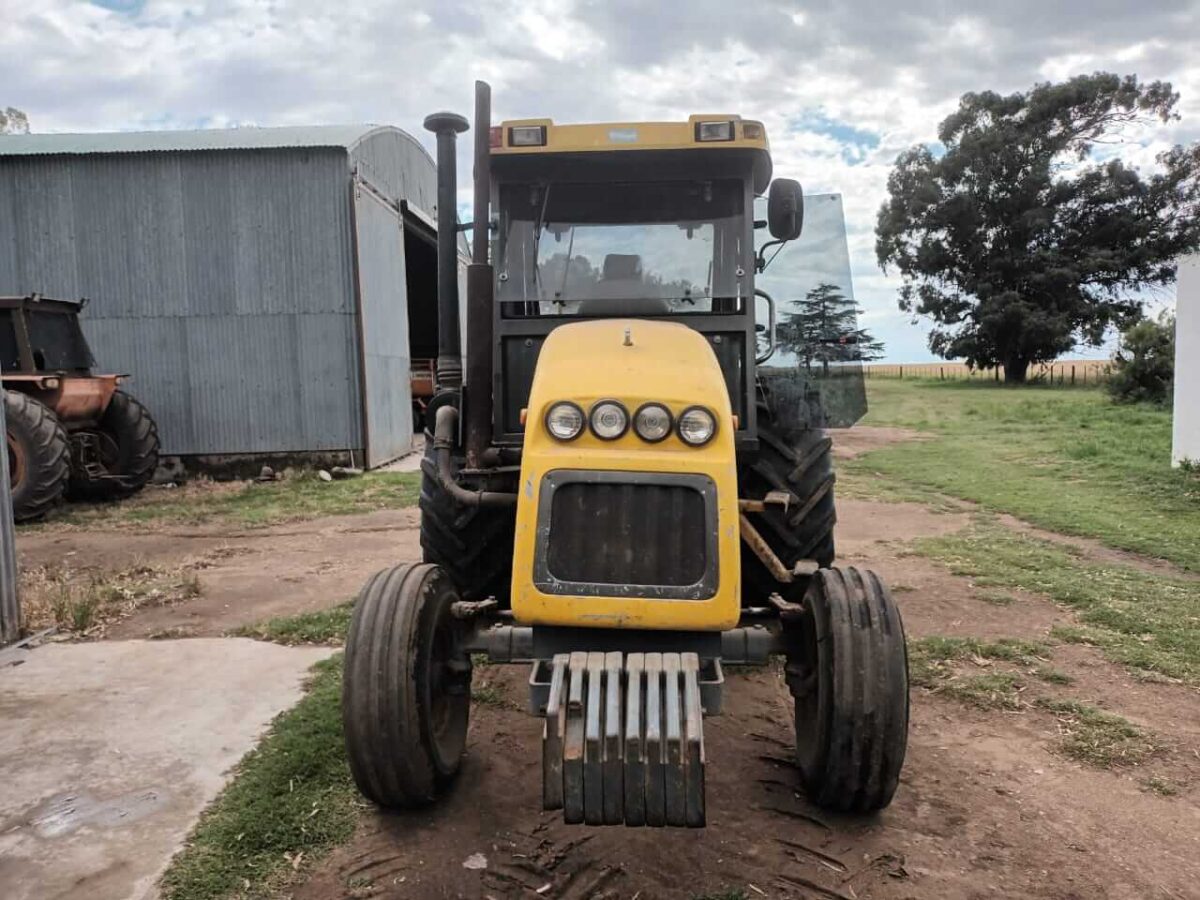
(637, 248)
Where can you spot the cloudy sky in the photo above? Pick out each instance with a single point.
(842, 86)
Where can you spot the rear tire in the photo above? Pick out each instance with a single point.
(38, 456)
(406, 689)
(802, 469)
(848, 672)
(128, 447)
(474, 544)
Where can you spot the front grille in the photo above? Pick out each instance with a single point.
(628, 534)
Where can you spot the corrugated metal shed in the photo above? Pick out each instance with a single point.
(235, 274)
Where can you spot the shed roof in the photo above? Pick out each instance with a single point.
(293, 137)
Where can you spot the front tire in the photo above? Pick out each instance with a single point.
(38, 456)
(848, 672)
(406, 687)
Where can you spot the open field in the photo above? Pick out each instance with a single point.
(1067, 460)
(1066, 372)
(1055, 742)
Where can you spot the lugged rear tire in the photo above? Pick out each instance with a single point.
(38, 456)
(848, 672)
(130, 434)
(406, 688)
(473, 544)
(802, 469)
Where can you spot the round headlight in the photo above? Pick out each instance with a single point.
(609, 420)
(652, 422)
(697, 426)
(564, 421)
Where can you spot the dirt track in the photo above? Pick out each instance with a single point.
(986, 807)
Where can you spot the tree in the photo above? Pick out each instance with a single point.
(1144, 364)
(1018, 241)
(824, 329)
(13, 121)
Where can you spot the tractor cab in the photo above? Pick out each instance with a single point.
(629, 220)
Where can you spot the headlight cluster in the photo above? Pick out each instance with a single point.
(609, 420)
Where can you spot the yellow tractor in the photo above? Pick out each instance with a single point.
(616, 491)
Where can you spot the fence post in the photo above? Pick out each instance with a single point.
(10, 603)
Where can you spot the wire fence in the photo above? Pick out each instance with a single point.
(1067, 372)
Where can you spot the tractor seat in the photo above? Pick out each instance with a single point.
(622, 290)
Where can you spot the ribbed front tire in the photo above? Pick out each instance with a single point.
(848, 671)
(406, 690)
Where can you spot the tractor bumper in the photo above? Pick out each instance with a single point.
(623, 740)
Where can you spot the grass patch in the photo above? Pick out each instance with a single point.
(251, 504)
(929, 656)
(728, 894)
(291, 800)
(83, 601)
(326, 626)
(1052, 676)
(933, 663)
(1147, 622)
(1066, 459)
(995, 598)
(1098, 738)
(1157, 785)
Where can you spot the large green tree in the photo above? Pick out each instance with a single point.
(13, 121)
(822, 328)
(1022, 236)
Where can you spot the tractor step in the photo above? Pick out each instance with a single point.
(623, 740)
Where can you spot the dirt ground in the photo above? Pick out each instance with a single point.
(986, 807)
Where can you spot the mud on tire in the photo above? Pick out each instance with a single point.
(802, 469)
(406, 689)
(38, 456)
(473, 544)
(847, 669)
(128, 438)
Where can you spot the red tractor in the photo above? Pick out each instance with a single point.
(70, 432)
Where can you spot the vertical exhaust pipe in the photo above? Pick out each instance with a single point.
(477, 420)
(447, 126)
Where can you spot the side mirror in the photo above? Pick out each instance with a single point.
(785, 209)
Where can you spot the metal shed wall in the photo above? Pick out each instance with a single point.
(233, 274)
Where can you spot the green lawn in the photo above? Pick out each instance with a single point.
(1063, 458)
(291, 799)
(249, 504)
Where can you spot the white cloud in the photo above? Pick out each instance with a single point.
(864, 79)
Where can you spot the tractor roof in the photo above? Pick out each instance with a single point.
(720, 133)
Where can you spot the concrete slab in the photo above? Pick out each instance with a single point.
(110, 750)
